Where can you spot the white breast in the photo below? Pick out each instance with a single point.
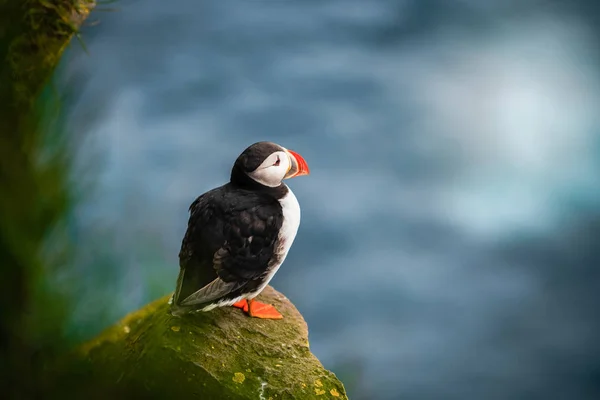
(291, 222)
(287, 234)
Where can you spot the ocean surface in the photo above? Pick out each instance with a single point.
(450, 237)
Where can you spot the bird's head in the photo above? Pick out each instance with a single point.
(268, 164)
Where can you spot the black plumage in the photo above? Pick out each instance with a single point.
(231, 235)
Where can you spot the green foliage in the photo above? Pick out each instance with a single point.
(35, 192)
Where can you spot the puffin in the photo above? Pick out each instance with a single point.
(239, 234)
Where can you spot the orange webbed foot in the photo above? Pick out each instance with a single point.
(262, 310)
(256, 309)
(243, 304)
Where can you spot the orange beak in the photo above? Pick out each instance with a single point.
(298, 165)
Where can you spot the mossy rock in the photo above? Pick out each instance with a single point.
(220, 354)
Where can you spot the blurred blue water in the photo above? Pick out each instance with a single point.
(449, 241)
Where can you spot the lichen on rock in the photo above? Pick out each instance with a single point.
(221, 354)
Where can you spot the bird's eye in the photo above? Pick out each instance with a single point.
(277, 162)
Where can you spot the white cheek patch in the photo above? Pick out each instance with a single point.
(268, 173)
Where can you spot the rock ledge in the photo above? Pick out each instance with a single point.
(221, 354)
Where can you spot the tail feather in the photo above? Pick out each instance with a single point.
(193, 292)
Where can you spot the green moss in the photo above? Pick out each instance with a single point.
(35, 192)
(47, 27)
(221, 354)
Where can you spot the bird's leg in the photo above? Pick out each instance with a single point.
(243, 304)
(256, 309)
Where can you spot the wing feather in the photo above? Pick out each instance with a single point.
(213, 291)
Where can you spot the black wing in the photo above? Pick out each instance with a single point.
(229, 242)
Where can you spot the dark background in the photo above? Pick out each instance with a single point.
(449, 245)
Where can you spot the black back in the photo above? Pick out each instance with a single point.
(231, 234)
